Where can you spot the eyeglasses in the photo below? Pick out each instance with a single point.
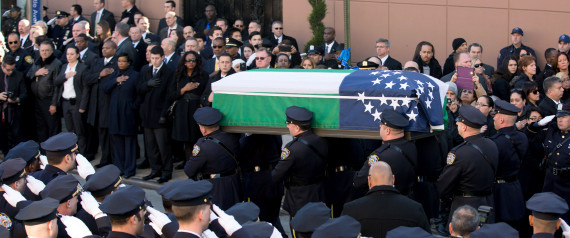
(12, 42)
(278, 28)
(479, 65)
(191, 60)
(218, 46)
(260, 58)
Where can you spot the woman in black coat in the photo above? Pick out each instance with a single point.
(425, 57)
(190, 84)
(503, 76)
(123, 107)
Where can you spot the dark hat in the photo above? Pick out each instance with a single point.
(394, 119)
(14, 170)
(564, 111)
(517, 30)
(124, 202)
(298, 115)
(61, 14)
(244, 212)
(500, 229)
(231, 42)
(207, 116)
(39, 212)
(471, 117)
(60, 144)
(503, 107)
(547, 206)
(62, 188)
(564, 38)
(29, 151)
(258, 229)
(104, 181)
(310, 216)
(365, 64)
(342, 227)
(162, 190)
(404, 231)
(190, 193)
(312, 50)
(457, 42)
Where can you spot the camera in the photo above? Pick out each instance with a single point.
(10, 95)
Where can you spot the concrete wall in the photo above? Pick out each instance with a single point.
(407, 22)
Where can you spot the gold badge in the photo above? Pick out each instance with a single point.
(196, 150)
(372, 159)
(5, 221)
(285, 153)
(29, 59)
(450, 158)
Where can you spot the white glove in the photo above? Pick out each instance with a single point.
(546, 120)
(565, 228)
(43, 161)
(51, 22)
(156, 228)
(228, 222)
(75, 228)
(12, 196)
(36, 186)
(213, 217)
(6, 13)
(276, 233)
(84, 167)
(91, 205)
(157, 217)
(209, 234)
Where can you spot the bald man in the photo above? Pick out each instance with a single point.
(384, 208)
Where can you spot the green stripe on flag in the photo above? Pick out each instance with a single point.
(247, 110)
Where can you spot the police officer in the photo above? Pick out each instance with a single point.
(62, 30)
(61, 150)
(470, 171)
(102, 183)
(23, 57)
(125, 209)
(395, 150)
(13, 176)
(309, 218)
(29, 151)
(556, 140)
(40, 218)
(344, 226)
(546, 208)
(214, 158)
(303, 162)
(512, 145)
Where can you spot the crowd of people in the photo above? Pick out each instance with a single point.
(503, 156)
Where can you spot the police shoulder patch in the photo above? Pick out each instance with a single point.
(285, 153)
(29, 59)
(450, 158)
(373, 159)
(195, 150)
(5, 221)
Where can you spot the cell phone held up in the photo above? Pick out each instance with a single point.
(465, 78)
(284, 48)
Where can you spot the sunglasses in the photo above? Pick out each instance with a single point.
(238, 25)
(535, 91)
(191, 60)
(218, 46)
(479, 65)
(12, 42)
(260, 58)
(278, 28)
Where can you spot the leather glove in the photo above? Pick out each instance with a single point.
(44, 161)
(12, 196)
(84, 167)
(209, 234)
(546, 120)
(91, 205)
(228, 222)
(565, 228)
(36, 186)
(75, 228)
(153, 83)
(157, 217)
(156, 228)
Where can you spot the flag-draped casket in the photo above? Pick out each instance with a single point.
(345, 103)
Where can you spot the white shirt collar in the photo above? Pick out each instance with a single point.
(159, 67)
(101, 11)
(279, 39)
(82, 53)
(329, 46)
(384, 59)
(121, 42)
(77, 18)
(174, 27)
(107, 59)
(167, 58)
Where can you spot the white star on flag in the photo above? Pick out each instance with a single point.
(377, 81)
(428, 103)
(376, 115)
(385, 75)
(430, 94)
(421, 89)
(402, 78)
(420, 83)
(406, 101)
(403, 86)
(394, 104)
(412, 115)
(361, 97)
(397, 72)
(368, 107)
(430, 85)
(374, 73)
(383, 100)
(390, 84)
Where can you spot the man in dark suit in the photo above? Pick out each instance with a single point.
(173, 28)
(169, 6)
(171, 58)
(86, 55)
(24, 31)
(207, 53)
(208, 21)
(147, 36)
(383, 51)
(136, 37)
(328, 49)
(12, 92)
(101, 14)
(124, 44)
(212, 64)
(128, 15)
(75, 14)
(277, 37)
(384, 208)
(554, 91)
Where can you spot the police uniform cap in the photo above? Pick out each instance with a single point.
(298, 115)
(564, 38)
(29, 151)
(394, 119)
(231, 42)
(124, 202)
(60, 144)
(162, 190)
(190, 193)
(471, 117)
(365, 64)
(503, 107)
(45, 8)
(311, 216)
(517, 30)
(258, 229)
(62, 188)
(61, 14)
(565, 110)
(14, 170)
(39, 212)
(404, 231)
(341, 227)
(104, 181)
(500, 229)
(313, 51)
(547, 206)
(244, 212)
(207, 116)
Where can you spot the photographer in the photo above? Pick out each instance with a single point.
(12, 92)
